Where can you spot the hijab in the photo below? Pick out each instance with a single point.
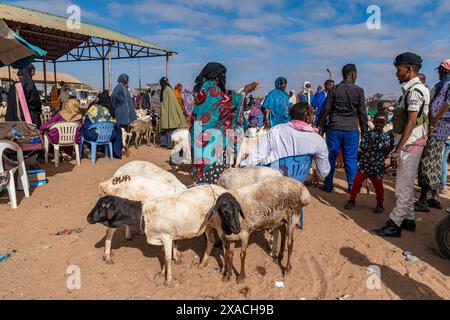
(164, 82)
(212, 71)
(71, 111)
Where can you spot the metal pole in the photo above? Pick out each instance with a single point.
(140, 74)
(9, 73)
(109, 69)
(45, 79)
(54, 73)
(103, 74)
(167, 66)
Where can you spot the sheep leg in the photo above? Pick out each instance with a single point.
(168, 260)
(229, 252)
(274, 243)
(176, 254)
(244, 246)
(107, 254)
(291, 227)
(283, 243)
(210, 239)
(128, 234)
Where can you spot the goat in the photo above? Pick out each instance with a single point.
(270, 205)
(181, 140)
(166, 218)
(137, 181)
(141, 129)
(249, 144)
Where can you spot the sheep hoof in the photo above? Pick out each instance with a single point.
(178, 261)
(108, 260)
(168, 284)
(240, 279)
(226, 278)
(159, 275)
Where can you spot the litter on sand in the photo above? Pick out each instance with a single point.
(279, 284)
(410, 257)
(5, 257)
(69, 231)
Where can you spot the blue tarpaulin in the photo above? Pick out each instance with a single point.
(14, 50)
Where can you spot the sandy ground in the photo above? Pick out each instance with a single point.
(330, 256)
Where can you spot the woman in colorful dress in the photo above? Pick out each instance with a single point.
(216, 123)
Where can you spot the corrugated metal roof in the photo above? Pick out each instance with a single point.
(39, 76)
(27, 16)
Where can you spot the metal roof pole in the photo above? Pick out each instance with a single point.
(109, 69)
(103, 74)
(45, 79)
(9, 74)
(54, 73)
(167, 66)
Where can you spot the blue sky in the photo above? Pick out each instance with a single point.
(259, 40)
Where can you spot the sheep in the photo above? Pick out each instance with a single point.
(166, 219)
(137, 181)
(149, 170)
(235, 178)
(271, 204)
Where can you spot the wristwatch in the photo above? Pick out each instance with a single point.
(394, 154)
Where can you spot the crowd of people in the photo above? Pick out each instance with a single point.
(323, 124)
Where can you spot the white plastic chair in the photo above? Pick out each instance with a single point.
(22, 172)
(67, 136)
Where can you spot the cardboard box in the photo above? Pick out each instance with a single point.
(36, 175)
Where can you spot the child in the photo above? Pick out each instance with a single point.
(374, 148)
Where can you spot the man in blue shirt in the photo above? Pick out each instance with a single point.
(320, 98)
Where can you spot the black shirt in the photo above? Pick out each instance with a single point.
(345, 105)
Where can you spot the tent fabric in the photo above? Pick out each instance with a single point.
(14, 50)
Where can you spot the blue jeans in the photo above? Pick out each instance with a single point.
(444, 164)
(348, 141)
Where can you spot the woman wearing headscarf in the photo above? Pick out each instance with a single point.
(177, 91)
(256, 117)
(31, 95)
(122, 104)
(188, 100)
(97, 113)
(156, 102)
(70, 112)
(215, 119)
(172, 116)
(276, 106)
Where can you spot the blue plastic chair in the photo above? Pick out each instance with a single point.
(104, 131)
(296, 167)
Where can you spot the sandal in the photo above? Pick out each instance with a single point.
(421, 206)
(433, 203)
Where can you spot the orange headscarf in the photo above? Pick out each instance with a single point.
(55, 98)
(177, 92)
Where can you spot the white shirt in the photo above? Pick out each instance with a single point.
(285, 141)
(415, 102)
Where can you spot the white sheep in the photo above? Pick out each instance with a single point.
(137, 181)
(270, 205)
(166, 219)
(181, 140)
(235, 178)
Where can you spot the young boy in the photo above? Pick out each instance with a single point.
(374, 148)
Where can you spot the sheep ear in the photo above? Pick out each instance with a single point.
(110, 211)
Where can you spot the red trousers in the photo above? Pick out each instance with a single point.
(377, 183)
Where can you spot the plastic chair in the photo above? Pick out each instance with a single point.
(104, 131)
(296, 167)
(22, 172)
(67, 137)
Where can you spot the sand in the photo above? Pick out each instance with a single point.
(330, 258)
